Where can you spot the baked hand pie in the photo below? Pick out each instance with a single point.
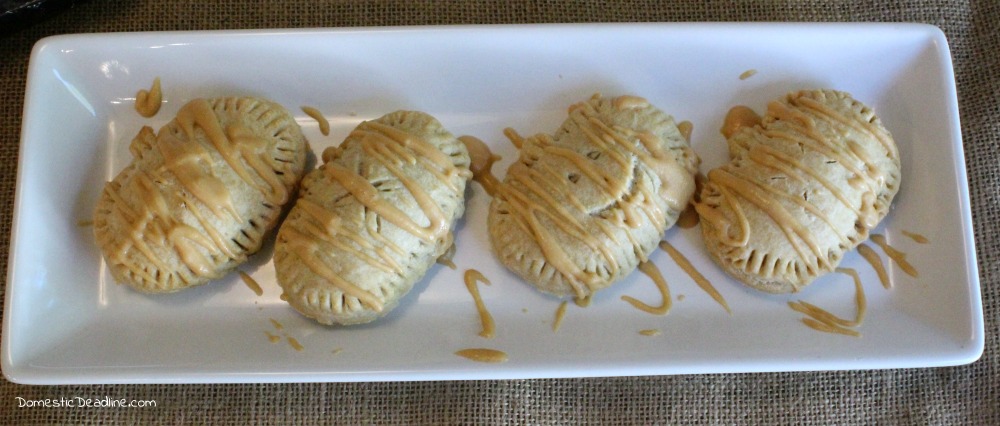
(580, 209)
(372, 219)
(805, 184)
(200, 194)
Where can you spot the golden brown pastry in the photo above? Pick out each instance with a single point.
(580, 209)
(805, 184)
(372, 219)
(200, 194)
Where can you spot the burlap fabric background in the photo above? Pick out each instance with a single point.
(961, 395)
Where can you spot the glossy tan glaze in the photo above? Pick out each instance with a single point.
(147, 103)
(859, 156)
(692, 272)
(919, 239)
(324, 125)
(448, 258)
(294, 343)
(738, 118)
(547, 208)
(185, 190)
(316, 234)
(686, 128)
(492, 356)
(277, 325)
(747, 74)
(666, 302)
(251, 283)
(896, 255)
(822, 320)
(481, 164)
(489, 327)
(690, 218)
(560, 315)
(873, 259)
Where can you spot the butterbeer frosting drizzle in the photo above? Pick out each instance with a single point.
(390, 148)
(732, 184)
(481, 165)
(692, 272)
(147, 102)
(822, 320)
(151, 223)
(489, 326)
(539, 193)
(651, 271)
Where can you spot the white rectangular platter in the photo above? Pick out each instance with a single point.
(66, 321)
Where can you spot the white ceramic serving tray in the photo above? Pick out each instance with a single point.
(66, 321)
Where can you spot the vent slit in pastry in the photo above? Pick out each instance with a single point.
(199, 194)
(580, 209)
(840, 170)
(372, 219)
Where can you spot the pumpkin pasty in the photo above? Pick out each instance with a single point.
(200, 194)
(372, 219)
(805, 184)
(580, 209)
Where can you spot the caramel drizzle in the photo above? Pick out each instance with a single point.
(692, 272)
(237, 145)
(866, 127)
(191, 165)
(324, 125)
(737, 118)
(896, 255)
(754, 193)
(277, 325)
(618, 143)
(489, 327)
(917, 238)
(515, 138)
(869, 254)
(685, 127)
(251, 283)
(483, 355)
(368, 195)
(154, 224)
(733, 184)
(560, 314)
(147, 103)
(327, 227)
(294, 343)
(392, 148)
(719, 221)
(448, 258)
(482, 164)
(653, 273)
(747, 74)
(822, 320)
(689, 217)
(187, 161)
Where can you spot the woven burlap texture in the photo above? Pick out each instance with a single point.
(959, 395)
